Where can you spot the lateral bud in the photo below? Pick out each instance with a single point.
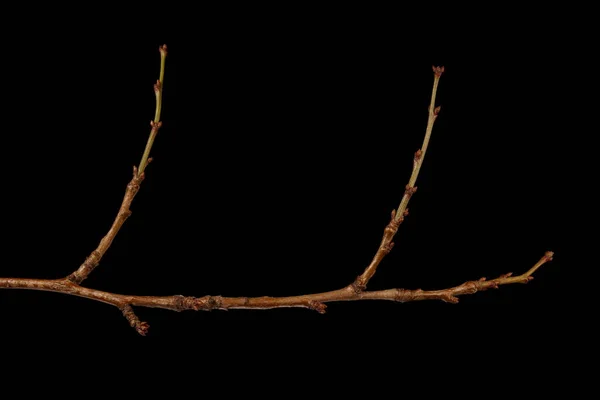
(393, 226)
(448, 298)
(137, 179)
(157, 87)
(155, 125)
(386, 248)
(358, 285)
(319, 307)
(410, 190)
(418, 155)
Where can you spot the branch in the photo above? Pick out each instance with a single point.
(92, 261)
(386, 245)
(355, 291)
(314, 301)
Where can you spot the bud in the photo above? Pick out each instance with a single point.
(163, 50)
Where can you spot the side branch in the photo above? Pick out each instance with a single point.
(92, 261)
(386, 245)
(94, 258)
(314, 301)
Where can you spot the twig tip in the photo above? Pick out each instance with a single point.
(319, 307)
(438, 71)
(142, 328)
(163, 50)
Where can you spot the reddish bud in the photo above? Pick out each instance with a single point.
(418, 155)
(163, 50)
(142, 328)
(319, 307)
(410, 190)
(438, 71)
(448, 298)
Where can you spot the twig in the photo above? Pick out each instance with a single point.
(398, 216)
(92, 261)
(353, 292)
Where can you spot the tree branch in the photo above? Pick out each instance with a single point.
(353, 292)
(398, 216)
(92, 261)
(314, 301)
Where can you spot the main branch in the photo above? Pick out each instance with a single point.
(356, 291)
(314, 301)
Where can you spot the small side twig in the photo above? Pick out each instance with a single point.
(134, 321)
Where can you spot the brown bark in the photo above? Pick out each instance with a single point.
(356, 291)
(92, 261)
(314, 301)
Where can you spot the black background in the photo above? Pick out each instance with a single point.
(285, 145)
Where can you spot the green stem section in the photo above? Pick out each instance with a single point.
(161, 79)
(146, 154)
(156, 122)
(419, 161)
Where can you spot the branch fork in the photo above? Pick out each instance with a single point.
(355, 291)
